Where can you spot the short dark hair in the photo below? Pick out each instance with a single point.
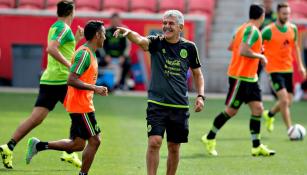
(115, 15)
(65, 8)
(282, 5)
(256, 11)
(91, 28)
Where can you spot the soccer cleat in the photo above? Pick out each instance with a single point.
(7, 156)
(269, 121)
(209, 145)
(31, 150)
(262, 150)
(71, 158)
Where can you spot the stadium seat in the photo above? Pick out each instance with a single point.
(31, 4)
(115, 5)
(7, 4)
(298, 8)
(86, 5)
(51, 4)
(172, 4)
(201, 6)
(149, 6)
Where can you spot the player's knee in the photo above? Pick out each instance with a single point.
(95, 141)
(173, 149)
(258, 110)
(231, 112)
(155, 143)
(78, 145)
(284, 102)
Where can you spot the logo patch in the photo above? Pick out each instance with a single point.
(183, 53)
(236, 103)
(163, 51)
(149, 128)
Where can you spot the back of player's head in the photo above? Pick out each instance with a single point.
(256, 11)
(115, 15)
(175, 13)
(65, 8)
(91, 28)
(282, 5)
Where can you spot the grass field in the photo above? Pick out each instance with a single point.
(122, 120)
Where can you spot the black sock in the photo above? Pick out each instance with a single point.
(40, 146)
(271, 114)
(11, 144)
(219, 121)
(68, 152)
(82, 173)
(254, 126)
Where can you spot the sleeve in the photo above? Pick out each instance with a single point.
(61, 34)
(81, 62)
(250, 36)
(194, 57)
(295, 32)
(266, 34)
(153, 42)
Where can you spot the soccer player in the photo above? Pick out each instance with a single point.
(79, 102)
(168, 105)
(61, 46)
(246, 49)
(279, 39)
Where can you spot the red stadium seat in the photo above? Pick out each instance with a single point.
(298, 8)
(201, 6)
(7, 4)
(143, 6)
(172, 4)
(51, 4)
(31, 4)
(115, 5)
(88, 5)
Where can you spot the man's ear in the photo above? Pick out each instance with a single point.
(181, 27)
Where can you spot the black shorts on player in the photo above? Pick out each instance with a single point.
(83, 125)
(242, 92)
(50, 95)
(172, 120)
(281, 81)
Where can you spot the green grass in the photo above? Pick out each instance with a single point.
(122, 120)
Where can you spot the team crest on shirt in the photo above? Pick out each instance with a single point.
(183, 53)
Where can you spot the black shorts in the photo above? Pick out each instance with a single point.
(83, 125)
(50, 95)
(242, 92)
(173, 120)
(281, 81)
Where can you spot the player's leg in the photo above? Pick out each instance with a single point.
(172, 158)
(258, 149)
(153, 154)
(35, 146)
(177, 130)
(156, 124)
(89, 152)
(233, 103)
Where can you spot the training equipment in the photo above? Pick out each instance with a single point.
(71, 158)
(296, 132)
(269, 121)
(31, 150)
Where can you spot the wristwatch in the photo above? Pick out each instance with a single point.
(203, 97)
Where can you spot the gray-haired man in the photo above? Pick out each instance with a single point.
(168, 105)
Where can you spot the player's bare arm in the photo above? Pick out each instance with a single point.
(73, 80)
(133, 36)
(53, 50)
(200, 88)
(246, 51)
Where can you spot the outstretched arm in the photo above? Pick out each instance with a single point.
(133, 36)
